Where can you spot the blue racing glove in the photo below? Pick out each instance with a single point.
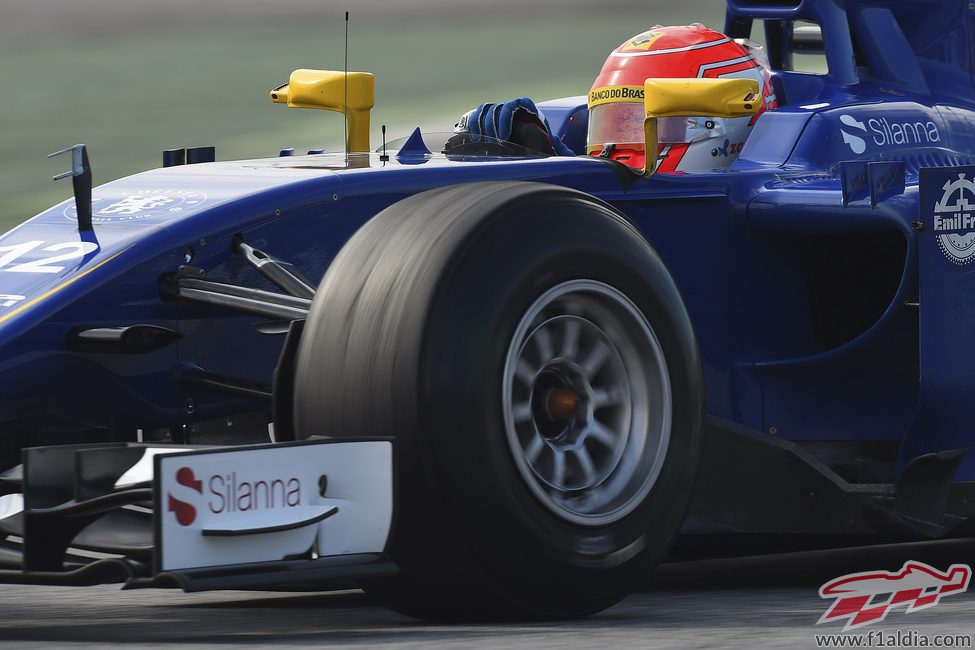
(518, 121)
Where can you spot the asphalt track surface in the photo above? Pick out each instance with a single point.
(759, 602)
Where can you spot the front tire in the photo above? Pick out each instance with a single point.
(533, 358)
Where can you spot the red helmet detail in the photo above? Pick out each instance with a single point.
(692, 51)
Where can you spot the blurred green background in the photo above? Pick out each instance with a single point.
(133, 77)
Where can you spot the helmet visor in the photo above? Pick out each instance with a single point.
(622, 123)
(616, 123)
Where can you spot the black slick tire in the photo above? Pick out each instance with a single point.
(407, 337)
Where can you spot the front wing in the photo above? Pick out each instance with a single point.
(316, 511)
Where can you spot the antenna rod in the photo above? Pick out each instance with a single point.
(345, 104)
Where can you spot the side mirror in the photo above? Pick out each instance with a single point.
(353, 94)
(694, 97)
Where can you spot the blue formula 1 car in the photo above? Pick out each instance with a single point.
(486, 382)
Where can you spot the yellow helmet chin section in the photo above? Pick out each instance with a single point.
(613, 94)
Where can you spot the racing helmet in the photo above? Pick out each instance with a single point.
(694, 143)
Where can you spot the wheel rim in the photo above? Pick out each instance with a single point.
(587, 404)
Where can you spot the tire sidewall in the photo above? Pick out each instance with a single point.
(522, 250)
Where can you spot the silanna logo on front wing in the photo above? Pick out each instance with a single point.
(224, 493)
(885, 133)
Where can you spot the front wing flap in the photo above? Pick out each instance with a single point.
(316, 511)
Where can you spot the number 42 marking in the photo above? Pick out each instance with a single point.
(76, 250)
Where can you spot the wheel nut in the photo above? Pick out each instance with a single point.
(563, 403)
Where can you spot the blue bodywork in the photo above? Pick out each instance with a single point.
(823, 304)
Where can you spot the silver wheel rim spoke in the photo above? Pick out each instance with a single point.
(522, 411)
(544, 342)
(570, 339)
(602, 397)
(586, 400)
(534, 448)
(524, 372)
(598, 432)
(593, 363)
(558, 469)
(586, 464)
